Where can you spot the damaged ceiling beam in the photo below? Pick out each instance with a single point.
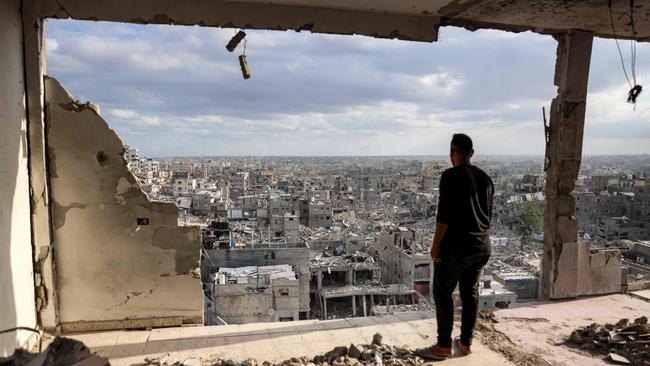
(248, 15)
(416, 20)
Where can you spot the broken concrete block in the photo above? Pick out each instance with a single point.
(336, 353)
(192, 362)
(155, 359)
(353, 351)
(619, 359)
(377, 339)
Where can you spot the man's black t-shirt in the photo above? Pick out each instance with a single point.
(465, 204)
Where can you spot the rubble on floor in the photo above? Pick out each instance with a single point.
(500, 343)
(60, 352)
(377, 353)
(622, 343)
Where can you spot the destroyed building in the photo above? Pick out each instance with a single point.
(403, 261)
(255, 294)
(294, 255)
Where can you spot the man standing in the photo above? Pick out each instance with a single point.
(461, 246)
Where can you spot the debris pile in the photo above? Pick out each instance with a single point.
(61, 352)
(623, 342)
(377, 353)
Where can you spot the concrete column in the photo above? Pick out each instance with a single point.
(365, 312)
(44, 268)
(325, 308)
(431, 267)
(319, 281)
(562, 162)
(354, 305)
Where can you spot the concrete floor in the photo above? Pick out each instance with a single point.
(538, 327)
(541, 327)
(275, 341)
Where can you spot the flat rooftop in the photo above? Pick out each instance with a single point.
(274, 341)
(535, 329)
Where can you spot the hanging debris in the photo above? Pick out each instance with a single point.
(235, 40)
(635, 88)
(634, 93)
(246, 72)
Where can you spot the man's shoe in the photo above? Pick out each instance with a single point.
(465, 350)
(435, 352)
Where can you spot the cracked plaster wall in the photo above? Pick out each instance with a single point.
(17, 304)
(108, 267)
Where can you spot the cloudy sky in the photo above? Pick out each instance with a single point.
(174, 90)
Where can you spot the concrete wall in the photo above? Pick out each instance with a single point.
(239, 304)
(396, 266)
(109, 268)
(596, 273)
(17, 304)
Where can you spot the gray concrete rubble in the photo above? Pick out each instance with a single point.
(376, 353)
(625, 342)
(61, 351)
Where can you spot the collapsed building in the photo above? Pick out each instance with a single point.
(223, 298)
(255, 294)
(405, 262)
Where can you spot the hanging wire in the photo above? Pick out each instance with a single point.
(633, 42)
(620, 54)
(635, 89)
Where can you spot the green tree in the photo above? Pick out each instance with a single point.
(531, 220)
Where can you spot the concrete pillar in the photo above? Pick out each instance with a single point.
(325, 308)
(365, 312)
(354, 305)
(431, 267)
(44, 264)
(319, 281)
(562, 162)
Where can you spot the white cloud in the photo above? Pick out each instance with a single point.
(174, 90)
(51, 44)
(132, 116)
(124, 113)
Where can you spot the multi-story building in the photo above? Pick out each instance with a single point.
(320, 214)
(401, 261)
(183, 184)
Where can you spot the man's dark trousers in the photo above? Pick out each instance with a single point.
(465, 271)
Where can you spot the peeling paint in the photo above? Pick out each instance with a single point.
(60, 212)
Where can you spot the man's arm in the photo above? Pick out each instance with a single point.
(443, 216)
(437, 239)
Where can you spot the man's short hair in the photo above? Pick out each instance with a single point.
(463, 143)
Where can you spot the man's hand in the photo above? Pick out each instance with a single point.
(435, 253)
(437, 240)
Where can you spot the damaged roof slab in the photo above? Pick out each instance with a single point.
(409, 20)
